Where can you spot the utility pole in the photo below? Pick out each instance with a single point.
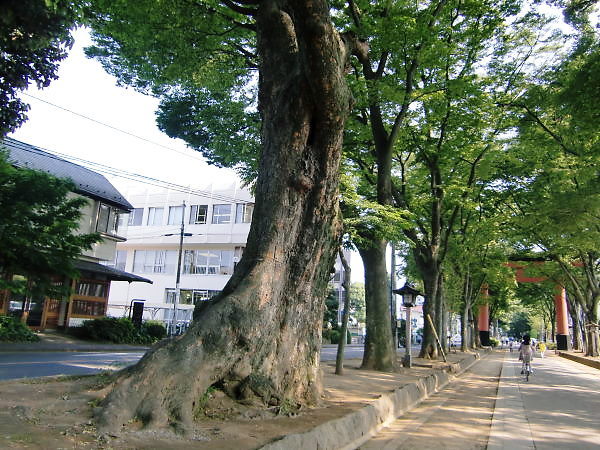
(178, 277)
(393, 298)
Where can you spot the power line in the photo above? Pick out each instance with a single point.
(112, 127)
(138, 177)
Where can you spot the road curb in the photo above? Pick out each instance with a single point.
(357, 427)
(581, 359)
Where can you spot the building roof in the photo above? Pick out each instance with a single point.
(110, 272)
(87, 182)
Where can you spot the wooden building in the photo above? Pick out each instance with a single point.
(89, 292)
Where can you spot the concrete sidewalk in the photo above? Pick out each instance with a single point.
(510, 428)
(555, 409)
(381, 398)
(579, 357)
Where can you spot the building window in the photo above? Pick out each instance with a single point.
(135, 217)
(243, 213)
(103, 218)
(92, 288)
(119, 261)
(155, 216)
(155, 261)
(108, 219)
(208, 262)
(221, 214)
(190, 296)
(198, 214)
(175, 215)
(86, 308)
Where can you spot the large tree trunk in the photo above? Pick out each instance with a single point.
(574, 311)
(464, 330)
(441, 314)
(260, 339)
(339, 359)
(379, 353)
(464, 322)
(429, 347)
(591, 331)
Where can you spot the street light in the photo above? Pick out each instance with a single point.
(409, 299)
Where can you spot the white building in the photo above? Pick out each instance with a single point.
(215, 222)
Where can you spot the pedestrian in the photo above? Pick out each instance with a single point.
(526, 353)
(510, 346)
(542, 348)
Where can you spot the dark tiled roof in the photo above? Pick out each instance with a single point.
(87, 181)
(110, 272)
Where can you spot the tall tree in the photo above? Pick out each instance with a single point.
(34, 39)
(259, 337)
(554, 174)
(426, 120)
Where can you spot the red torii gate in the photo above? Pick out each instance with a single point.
(560, 303)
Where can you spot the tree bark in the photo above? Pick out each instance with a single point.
(574, 309)
(464, 330)
(591, 332)
(429, 270)
(379, 353)
(339, 359)
(260, 339)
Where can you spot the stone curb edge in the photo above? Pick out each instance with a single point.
(580, 359)
(354, 429)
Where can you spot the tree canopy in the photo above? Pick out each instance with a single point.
(34, 38)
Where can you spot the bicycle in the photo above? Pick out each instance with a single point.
(526, 370)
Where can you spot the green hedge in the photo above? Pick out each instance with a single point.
(333, 336)
(13, 330)
(119, 331)
(154, 329)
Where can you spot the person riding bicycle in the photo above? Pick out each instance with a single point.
(526, 353)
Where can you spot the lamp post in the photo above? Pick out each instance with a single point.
(409, 297)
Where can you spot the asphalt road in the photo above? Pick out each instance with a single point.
(42, 364)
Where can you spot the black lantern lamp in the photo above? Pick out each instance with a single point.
(409, 299)
(409, 295)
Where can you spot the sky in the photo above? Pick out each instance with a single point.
(83, 87)
(55, 124)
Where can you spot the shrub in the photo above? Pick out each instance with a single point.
(13, 330)
(155, 330)
(112, 329)
(550, 345)
(334, 336)
(494, 342)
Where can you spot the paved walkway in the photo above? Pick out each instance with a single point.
(556, 409)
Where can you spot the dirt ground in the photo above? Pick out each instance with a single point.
(56, 413)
